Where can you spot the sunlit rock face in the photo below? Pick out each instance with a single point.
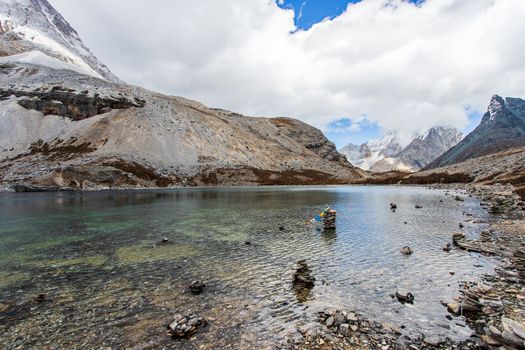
(67, 121)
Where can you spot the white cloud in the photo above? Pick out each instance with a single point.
(405, 67)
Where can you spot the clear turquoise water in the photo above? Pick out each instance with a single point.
(109, 283)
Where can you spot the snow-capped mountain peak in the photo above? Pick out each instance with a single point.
(402, 151)
(27, 26)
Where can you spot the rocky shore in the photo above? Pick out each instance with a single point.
(493, 308)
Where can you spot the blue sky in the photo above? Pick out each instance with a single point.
(341, 133)
(310, 12)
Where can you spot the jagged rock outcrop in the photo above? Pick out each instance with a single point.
(60, 101)
(502, 128)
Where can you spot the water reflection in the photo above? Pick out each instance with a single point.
(329, 237)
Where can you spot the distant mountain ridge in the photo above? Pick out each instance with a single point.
(394, 152)
(502, 128)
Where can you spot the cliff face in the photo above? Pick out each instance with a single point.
(62, 128)
(502, 128)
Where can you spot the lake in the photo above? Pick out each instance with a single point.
(108, 281)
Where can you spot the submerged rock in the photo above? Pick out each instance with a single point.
(303, 281)
(41, 298)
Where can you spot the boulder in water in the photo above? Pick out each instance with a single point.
(196, 287)
(404, 296)
(406, 250)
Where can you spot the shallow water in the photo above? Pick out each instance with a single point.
(109, 283)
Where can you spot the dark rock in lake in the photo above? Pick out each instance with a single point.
(393, 206)
(404, 296)
(41, 298)
(196, 287)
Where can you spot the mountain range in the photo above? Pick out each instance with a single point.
(67, 121)
(395, 152)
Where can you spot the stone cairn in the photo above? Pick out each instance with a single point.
(329, 216)
(185, 326)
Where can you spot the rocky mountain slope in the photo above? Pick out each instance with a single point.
(502, 128)
(34, 32)
(66, 121)
(505, 167)
(390, 153)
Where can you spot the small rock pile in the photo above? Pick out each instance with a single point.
(512, 336)
(476, 300)
(185, 326)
